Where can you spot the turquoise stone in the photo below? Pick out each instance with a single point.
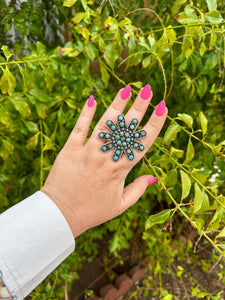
(107, 136)
(131, 157)
(143, 133)
(131, 126)
(118, 152)
(104, 148)
(121, 133)
(119, 142)
(117, 137)
(135, 145)
(124, 143)
(136, 135)
(109, 123)
(113, 127)
(110, 146)
(128, 140)
(127, 134)
(128, 151)
(141, 148)
(122, 124)
(120, 118)
(101, 135)
(115, 157)
(135, 121)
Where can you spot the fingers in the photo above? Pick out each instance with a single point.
(140, 104)
(80, 131)
(135, 190)
(115, 109)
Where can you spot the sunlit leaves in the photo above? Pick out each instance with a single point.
(204, 122)
(214, 17)
(186, 184)
(187, 119)
(212, 5)
(171, 133)
(198, 198)
(20, 105)
(7, 82)
(158, 218)
(6, 52)
(69, 3)
(190, 153)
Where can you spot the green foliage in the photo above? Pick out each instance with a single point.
(98, 47)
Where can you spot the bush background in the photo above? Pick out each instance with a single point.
(60, 53)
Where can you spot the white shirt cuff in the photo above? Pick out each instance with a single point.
(35, 238)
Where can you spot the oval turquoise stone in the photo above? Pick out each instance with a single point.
(113, 127)
(131, 157)
(141, 148)
(131, 126)
(117, 137)
(104, 148)
(118, 152)
(101, 135)
(109, 123)
(128, 140)
(128, 151)
(135, 145)
(120, 118)
(122, 124)
(136, 135)
(127, 134)
(143, 133)
(124, 143)
(135, 121)
(115, 157)
(122, 133)
(119, 142)
(110, 146)
(107, 136)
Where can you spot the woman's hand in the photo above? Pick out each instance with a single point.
(85, 183)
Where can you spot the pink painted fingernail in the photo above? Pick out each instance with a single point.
(146, 91)
(152, 180)
(91, 101)
(160, 108)
(125, 92)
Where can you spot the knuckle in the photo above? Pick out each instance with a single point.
(78, 130)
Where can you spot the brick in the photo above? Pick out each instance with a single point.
(136, 274)
(109, 292)
(123, 283)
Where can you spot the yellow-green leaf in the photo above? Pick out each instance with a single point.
(69, 3)
(212, 5)
(198, 198)
(190, 153)
(221, 234)
(8, 82)
(186, 184)
(188, 120)
(171, 133)
(158, 218)
(204, 122)
(20, 105)
(214, 17)
(178, 153)
(6, 52)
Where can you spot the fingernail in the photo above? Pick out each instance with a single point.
(91, 101)
(160, 108)
(125, 92)
(146, 91)
(152, 180)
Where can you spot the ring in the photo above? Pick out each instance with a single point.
(122, 138)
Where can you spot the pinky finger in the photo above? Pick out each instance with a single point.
(80, 131)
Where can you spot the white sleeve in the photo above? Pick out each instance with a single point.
(34, 239)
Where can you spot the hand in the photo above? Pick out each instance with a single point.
(85, 183)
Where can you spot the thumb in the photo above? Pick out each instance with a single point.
(136, 189)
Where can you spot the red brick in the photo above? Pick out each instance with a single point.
(109, 292)
(136, 274)
(123, 283)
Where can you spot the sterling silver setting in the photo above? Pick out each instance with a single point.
(122, 138)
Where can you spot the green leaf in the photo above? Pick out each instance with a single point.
(69, 3)
(105, 75)
(41, 49)
(171, 133)
(178, 153)
(204, 122)
(187, 17)
(28, 79)
(31, 126)
(214, 17)
(215, 222)
(188, 120)
(91, 51)
(198, 198)
(6, 52)
(221, 234)
(110, 55)
(8, 82)
(202, 86)
(186, 184)
(212, 5)
(171, 179)
(190, 153)
(158, 218)
(221, 245)
(146, 61)
(20, 105)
